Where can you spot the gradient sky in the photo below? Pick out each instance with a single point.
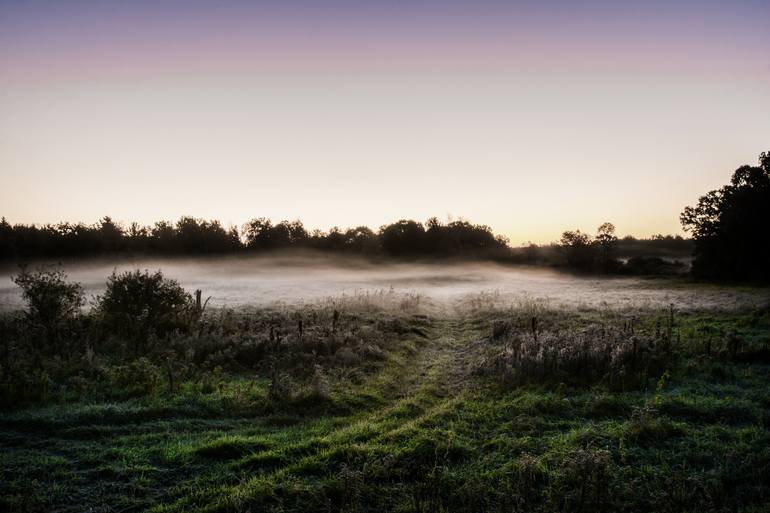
(531, 117)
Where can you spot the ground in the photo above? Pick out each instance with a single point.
(426, 432)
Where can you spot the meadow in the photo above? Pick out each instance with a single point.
(595, 395)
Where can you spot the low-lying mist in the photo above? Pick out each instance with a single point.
(299, 278)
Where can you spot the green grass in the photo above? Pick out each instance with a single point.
(424, 432)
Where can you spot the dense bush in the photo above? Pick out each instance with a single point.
(650, 266)
(52, 302)
(140, 306)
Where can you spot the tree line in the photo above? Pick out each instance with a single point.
(192, 236)
(729, 226)
(402, 239)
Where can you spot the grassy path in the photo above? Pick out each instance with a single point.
(127, 457)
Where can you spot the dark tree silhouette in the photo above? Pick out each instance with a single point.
(362, 240)
(584, 253)
(577, 249)
(110, 235)
(200, 236)
(606, 240)
(263, 234)
(404, 237)
(730, 227)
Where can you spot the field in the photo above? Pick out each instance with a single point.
(395, 401)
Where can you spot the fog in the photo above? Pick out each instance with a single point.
(293, 279)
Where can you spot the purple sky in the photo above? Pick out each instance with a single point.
(140, 39)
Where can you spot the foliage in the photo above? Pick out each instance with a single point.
(584, 253)
(190, 236)
(402, 239)
(652, 266)
(262, 234)
(51, 301)
(417, 434)
(578, 250)
(139, 305)
(144, 336)
(550, 350)
(729, 226)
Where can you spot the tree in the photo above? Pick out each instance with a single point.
(258, 233)
(729, 225)
(577, 249)
(110, 234)
(405, 237)
(605, 240)
(162, 237)
(361, 240)
(195, 236)
(6, 239)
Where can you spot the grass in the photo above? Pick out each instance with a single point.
(428, 429)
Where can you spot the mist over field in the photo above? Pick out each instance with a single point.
(408, 257)
(303, 278)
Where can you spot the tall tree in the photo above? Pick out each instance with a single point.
(605, 239)
(730, 227)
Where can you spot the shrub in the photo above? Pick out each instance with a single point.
(642, 265)
(51, 301)
(137, 379)
(24, 386)
(138, 306)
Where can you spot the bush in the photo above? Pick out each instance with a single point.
(51, 301)
(139, 306)
(24, 386)
(653, 266)
(137, 379)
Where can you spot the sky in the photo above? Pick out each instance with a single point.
(529, 117)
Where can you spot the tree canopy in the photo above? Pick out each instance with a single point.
(730, 227)
(191, 236)
(584, 253)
